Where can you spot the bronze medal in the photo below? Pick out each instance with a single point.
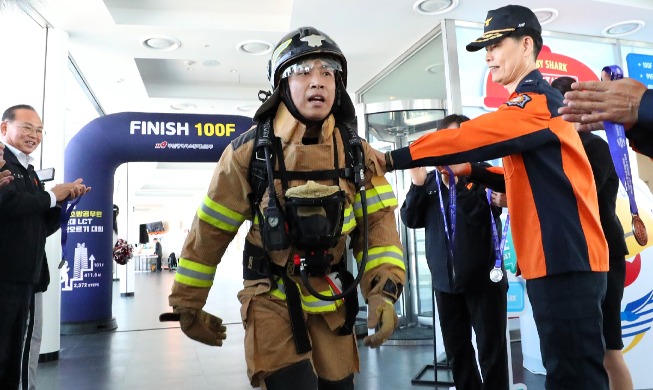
(639, 230)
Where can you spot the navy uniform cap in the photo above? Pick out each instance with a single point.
(502, 21)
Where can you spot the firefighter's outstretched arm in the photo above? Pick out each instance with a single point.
(198, 325)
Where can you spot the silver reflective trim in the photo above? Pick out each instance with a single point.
(194, 274)
(219, 216)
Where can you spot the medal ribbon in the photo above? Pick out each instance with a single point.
(498, 245)
(616, 135)
(449, 229)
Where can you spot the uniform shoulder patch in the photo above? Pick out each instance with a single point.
(519, 101)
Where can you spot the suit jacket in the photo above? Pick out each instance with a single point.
(26, 219)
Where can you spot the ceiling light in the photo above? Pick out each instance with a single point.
(546, 15)
(623, 28)
(435, 68)
(161, 43)
(255, 48)
(434, 7)
(182, 106)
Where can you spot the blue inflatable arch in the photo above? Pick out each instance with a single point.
(93, 154)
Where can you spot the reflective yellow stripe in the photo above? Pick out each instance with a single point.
(383, 255)
(278, 294)
(219, 216)
(349, 221)
(310, 304)
(194, 274)
(377, 198)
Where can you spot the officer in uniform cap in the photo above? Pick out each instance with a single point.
(559, 243)
(308, 183)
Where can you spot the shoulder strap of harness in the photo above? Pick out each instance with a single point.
(257, 175)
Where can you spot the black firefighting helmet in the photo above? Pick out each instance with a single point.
(307, 42)
(302, 43)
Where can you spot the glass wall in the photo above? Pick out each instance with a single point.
(404, 102)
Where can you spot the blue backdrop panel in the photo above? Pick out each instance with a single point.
(93, 154)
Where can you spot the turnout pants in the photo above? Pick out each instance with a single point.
(269, 345)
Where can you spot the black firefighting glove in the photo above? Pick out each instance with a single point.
(198, 325)
(382, 316)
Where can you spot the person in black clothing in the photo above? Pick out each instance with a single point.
(465, 295)
(33, 339)
(607, 187)
(28, 214)
(158, 251)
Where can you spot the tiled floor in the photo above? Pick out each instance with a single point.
(146, 354)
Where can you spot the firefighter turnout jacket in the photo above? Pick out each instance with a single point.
(226, 206)
(549, 182)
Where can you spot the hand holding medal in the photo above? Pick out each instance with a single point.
(616, 135)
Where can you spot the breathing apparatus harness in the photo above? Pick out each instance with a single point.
(278, 229)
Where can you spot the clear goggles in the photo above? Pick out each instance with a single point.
(305, 66)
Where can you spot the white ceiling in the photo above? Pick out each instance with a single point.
(106, 43)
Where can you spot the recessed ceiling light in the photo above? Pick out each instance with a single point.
(434, 7)
(161, 43)
(546, 15)
(623, 28)
(182, 106)
(210, 63)
(435, 68)
(255, 48)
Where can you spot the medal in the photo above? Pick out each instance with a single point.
(497, 272)
(496, 275)
(639, 230)
(616, 135)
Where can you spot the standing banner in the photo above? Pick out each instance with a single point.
(93, 154)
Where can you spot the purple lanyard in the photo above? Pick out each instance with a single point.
(616, 135)
(66, 210)
(450, 231)
(498, 246)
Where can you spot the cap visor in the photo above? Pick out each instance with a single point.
(485, 41)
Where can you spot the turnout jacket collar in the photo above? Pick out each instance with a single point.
(290, 129)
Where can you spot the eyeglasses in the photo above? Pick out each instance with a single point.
(28, 128)
(325, 65)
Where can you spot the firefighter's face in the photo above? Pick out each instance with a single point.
(313, 90)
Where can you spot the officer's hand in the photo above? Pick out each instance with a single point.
(198, 325)
(381, 315)
(380, 160)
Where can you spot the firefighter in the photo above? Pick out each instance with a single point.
(308, 183)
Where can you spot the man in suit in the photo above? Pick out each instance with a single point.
(28, 214)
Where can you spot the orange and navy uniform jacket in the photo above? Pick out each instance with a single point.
(549, 182)
(641, 135)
